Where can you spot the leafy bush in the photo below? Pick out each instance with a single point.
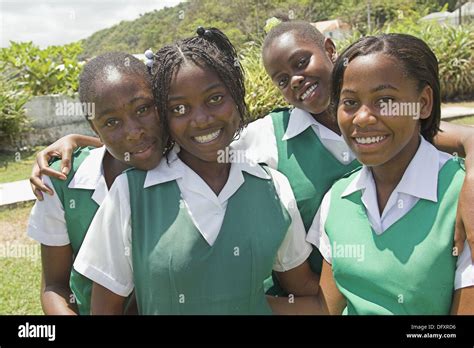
(453, 46)
(39, 72)
(262, 96)
(13, 120)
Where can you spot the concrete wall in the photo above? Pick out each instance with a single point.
(52, 117)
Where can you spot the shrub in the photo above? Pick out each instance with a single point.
(453, 46)
(262, 96)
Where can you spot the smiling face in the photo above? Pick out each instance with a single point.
(371, 84)
(202, 116)
(301, 70)
(126, 119)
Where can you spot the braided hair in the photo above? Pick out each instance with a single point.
(210, 49)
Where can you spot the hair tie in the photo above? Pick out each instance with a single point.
(204, 33)
(149, 58)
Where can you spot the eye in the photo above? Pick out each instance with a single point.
(111, 122)
(282, 82)
(142, 109)
(301, 63)
(349, 103)
(178, 110)
(216, 99)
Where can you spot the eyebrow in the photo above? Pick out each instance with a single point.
(131, 101)
(213, 86)
(376, 89)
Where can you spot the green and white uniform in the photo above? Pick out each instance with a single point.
(310, 155)
(400, 261)
(64, 218)
(186, 250)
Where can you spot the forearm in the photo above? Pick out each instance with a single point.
(304, 305)
(85, 140)
(455, 139)
(58, 301)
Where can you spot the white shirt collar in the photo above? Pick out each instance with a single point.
(425, 164)
(90, 175)
(173, 168)
(300, 120)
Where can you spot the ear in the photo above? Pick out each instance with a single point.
(330, 49)
(426, 102)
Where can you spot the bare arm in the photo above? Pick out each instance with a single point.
(56, 295)
(457, 139)
(105, 301)
(299, 281)
(463, 301)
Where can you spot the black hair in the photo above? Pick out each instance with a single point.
(416, 59)
(210, 49)
(94, 72)
(305, 31)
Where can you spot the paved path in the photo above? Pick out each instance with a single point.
(20, 191)
(14, 192)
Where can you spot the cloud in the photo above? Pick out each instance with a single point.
(56, 22)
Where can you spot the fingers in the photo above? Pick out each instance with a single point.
(42, 159)
(37, 185)
(66, 160)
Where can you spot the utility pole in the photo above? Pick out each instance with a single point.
(369, 26)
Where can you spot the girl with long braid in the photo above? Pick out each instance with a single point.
(196, 235)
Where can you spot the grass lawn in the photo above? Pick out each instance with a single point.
(465, 120)
(17, 165)
(20, 264)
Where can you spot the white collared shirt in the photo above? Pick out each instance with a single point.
(111, 227)
(47, 224)
(259, 141)
(426, 164)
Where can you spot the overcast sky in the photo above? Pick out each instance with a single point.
(56, 22)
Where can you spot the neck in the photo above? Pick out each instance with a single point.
(215, 174)
(328, 120)
(388, 175)
(112, 168)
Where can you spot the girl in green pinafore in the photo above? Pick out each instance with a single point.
(386, 229)
(200, 233)
(117, 87)
(305, 142)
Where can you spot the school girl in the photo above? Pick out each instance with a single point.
(125, 118)
(196, 235)
(305, 142)
(399, 209)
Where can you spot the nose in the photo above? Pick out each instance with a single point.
(135, 130)
(201, 118)
(364, 117)
(296, 81)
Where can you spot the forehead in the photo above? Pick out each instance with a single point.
(283, 46)
(374, 69)
(191, 75)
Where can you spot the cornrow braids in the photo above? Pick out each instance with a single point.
(95, 71)
(211, 49)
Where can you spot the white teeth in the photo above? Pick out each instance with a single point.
(208, 138)
(309, 91)
(370, 140)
